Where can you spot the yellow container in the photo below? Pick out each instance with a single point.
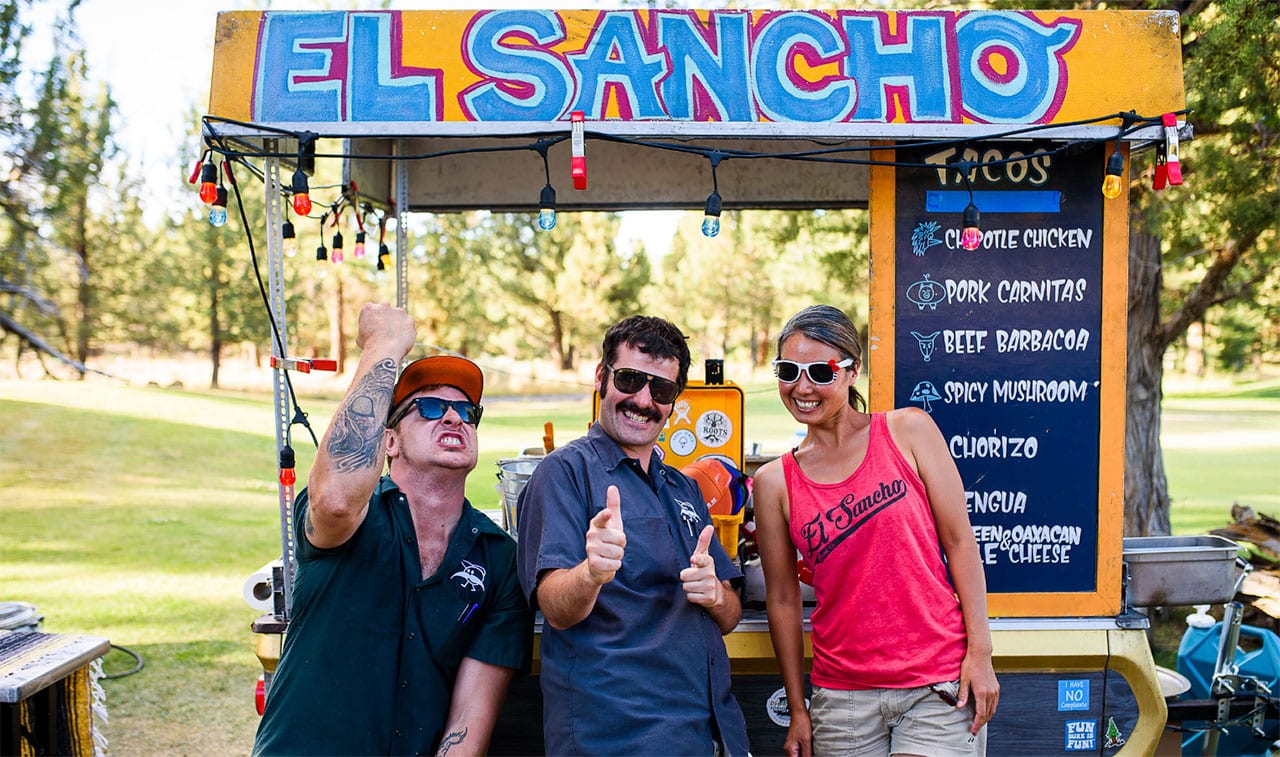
(727, 531)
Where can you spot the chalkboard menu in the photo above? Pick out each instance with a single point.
(1002, 346)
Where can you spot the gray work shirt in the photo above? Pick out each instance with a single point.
(646, 672)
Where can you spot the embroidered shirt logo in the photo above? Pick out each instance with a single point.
(688, 514)
(470, 576)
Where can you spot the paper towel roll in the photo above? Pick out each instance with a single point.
(258, 588)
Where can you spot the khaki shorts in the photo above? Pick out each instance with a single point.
(893, 721)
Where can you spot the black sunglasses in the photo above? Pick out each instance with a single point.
(630, 381)
(821, 372)
(434, 408)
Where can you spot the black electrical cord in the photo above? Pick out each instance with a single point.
(299, 417)
(137, 660)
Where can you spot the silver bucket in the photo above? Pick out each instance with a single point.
(513, 474)
(19, 616)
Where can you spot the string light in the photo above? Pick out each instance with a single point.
(970, 231)
(358, 250)
(209, 183)
(218, 210)
(337, 246)
(384, 255)
(711, 213)
(1112, 183)
(289, 239)
(1167, 167)
(546, 200)
(301, 194)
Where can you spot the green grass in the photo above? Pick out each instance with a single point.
(137, 514)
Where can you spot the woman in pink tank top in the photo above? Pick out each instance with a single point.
(875, 507)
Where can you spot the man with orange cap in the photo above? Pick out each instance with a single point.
(408, 620)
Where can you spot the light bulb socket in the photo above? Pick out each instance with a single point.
(713, 205)
(221, 199)
(287, 231)
(208, 173)
(299, 184)
(337, 240)
(547, 200)
(1115, 164)
(360, 237)
(971, 216)
(322, 255)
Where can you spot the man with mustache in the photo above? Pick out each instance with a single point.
(408, 623)
(617, 551)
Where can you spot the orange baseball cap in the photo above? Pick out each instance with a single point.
(443, 370)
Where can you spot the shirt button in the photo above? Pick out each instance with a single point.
(397, 733)
(412, 635)
(404, 684)
(475, 530)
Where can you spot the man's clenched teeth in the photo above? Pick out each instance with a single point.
(452, 440)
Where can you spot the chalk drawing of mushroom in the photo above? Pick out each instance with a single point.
(925, 392)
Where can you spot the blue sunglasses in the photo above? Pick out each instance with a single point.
(435, 408)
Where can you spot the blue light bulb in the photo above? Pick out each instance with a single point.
(710, 226)
(218, 215)
(547, 208)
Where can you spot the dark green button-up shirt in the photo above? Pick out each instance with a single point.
(373, 649)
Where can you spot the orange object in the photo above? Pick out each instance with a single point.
(714, 480)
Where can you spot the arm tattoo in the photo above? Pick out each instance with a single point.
(357, 426)
(451, 740)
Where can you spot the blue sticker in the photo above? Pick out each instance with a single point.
(1073, 695)
(1082, 736)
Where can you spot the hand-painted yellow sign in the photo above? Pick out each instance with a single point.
(405, 71)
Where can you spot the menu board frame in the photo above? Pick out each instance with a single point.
(1103, 597)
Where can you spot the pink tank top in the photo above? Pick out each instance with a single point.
(887, 615)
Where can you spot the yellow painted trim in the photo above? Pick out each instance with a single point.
(883, 314)
(235, 52)
(1131, 658)
(1111, 405)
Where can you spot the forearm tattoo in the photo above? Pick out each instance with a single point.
(451, 740)
(357, 426)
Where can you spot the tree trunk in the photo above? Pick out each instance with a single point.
(84, 293)
(558, 339)
(1146, 490)
(215, 330)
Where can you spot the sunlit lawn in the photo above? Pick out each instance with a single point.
(136, 515)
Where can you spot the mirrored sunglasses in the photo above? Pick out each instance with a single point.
(435, 408)
(820, 372)
(630, 381)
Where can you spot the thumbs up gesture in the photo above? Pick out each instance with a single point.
(699, 581)
(606, 541)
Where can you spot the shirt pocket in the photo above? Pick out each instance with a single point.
(651, 555)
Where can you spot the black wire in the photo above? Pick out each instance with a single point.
(137, 658)
(299, 417)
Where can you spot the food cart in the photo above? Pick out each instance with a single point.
(991, 149)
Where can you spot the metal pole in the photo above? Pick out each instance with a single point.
(402, 233)
(279, 383)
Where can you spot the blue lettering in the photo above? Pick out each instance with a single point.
(916, 65)
(298, 78)
(1011, 67)
(526, 82)
(782, 93)
(708, 78)
(613, 59)
(382, 89)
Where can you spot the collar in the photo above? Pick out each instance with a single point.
(609, 453)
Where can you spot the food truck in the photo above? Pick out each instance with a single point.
(991, 149)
